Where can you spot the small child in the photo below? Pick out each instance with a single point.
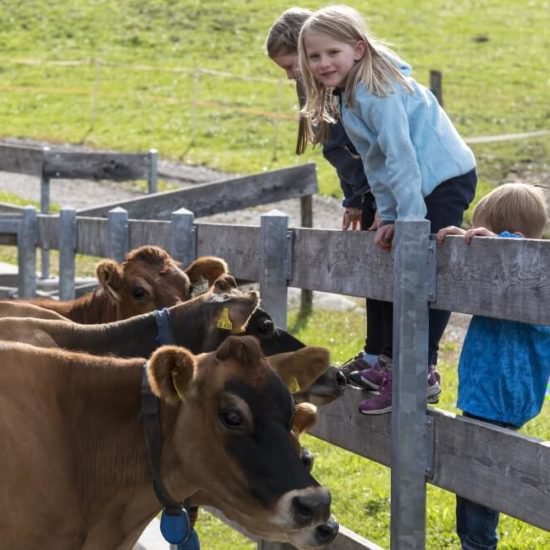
(503, 369)
(417, 164)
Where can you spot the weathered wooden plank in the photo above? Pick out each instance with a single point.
(95, 166)
(21, 160)
(93, 236)
(505, 278)
(494, 466)
(153, 232)
(344, 262)
(491, 465)
(238, 245)
(224, 196)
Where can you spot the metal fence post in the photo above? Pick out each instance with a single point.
(409, 450)
(26, 252)
(45, 209)
(119, 238)
(183, 245)
(153, 164)
(274, 268)
(67, 252)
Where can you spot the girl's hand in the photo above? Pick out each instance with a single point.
(351, 218)
(376, 223)
(384, 236)
(449, 230)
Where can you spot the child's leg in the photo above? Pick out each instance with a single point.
(476, 525)
(446, 205)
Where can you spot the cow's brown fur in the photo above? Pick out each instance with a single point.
(148, 279)
(75, 472)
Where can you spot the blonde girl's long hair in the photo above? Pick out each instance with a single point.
(282, 39)
(378, 69)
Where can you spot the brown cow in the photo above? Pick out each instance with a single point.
(148, 279)
(16, 308)
(75, 469)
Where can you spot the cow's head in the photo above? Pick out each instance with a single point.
(149, 279)
(233, 441)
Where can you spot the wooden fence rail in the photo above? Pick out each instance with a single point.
(503, 278)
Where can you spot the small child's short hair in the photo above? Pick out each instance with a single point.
(514, 207)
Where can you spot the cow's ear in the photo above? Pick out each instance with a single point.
(236, 311)
(170, 372)
(301, 368)
(109, 275)
(243, 349)
(305, 416)
(309, 363)
(225, 283)
(208, 268)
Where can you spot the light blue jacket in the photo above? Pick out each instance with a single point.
(503, 369)
(408, 146)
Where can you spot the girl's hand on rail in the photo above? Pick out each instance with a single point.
(351, 218)
(384, 236)
(376, 223)
(449, 230)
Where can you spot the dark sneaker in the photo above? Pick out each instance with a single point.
(434, 388)
(354, 364)
(381, 403)
(371, 378)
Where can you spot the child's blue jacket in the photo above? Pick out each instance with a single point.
(503, 369)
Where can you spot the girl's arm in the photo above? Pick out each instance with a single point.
(386, 116)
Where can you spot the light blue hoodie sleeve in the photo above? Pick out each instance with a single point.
(402, 192)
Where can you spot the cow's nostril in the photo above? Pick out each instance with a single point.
(266, 327)
(311, 508)
(326, 533)
(341, 379)
(307, 459)
(303, 511)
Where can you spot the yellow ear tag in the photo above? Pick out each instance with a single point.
(174, 376)
(293, 385)
(224, 321)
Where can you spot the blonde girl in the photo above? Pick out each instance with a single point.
(416, 163)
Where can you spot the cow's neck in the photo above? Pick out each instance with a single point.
(134, 337)
(113, 470)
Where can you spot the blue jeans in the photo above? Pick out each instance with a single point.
(476, 525)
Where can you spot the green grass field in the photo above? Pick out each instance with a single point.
(191, 79)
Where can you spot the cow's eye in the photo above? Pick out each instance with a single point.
(139, 293)
(231, 417)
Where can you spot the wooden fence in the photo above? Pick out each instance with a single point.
(503, 278)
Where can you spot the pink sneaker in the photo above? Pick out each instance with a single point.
(381, 403)
(371, 378)
(355, 364)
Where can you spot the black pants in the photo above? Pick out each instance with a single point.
(446, 205)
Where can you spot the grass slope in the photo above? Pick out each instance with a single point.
(132, 75)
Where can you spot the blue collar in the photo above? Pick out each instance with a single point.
(165, 332)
